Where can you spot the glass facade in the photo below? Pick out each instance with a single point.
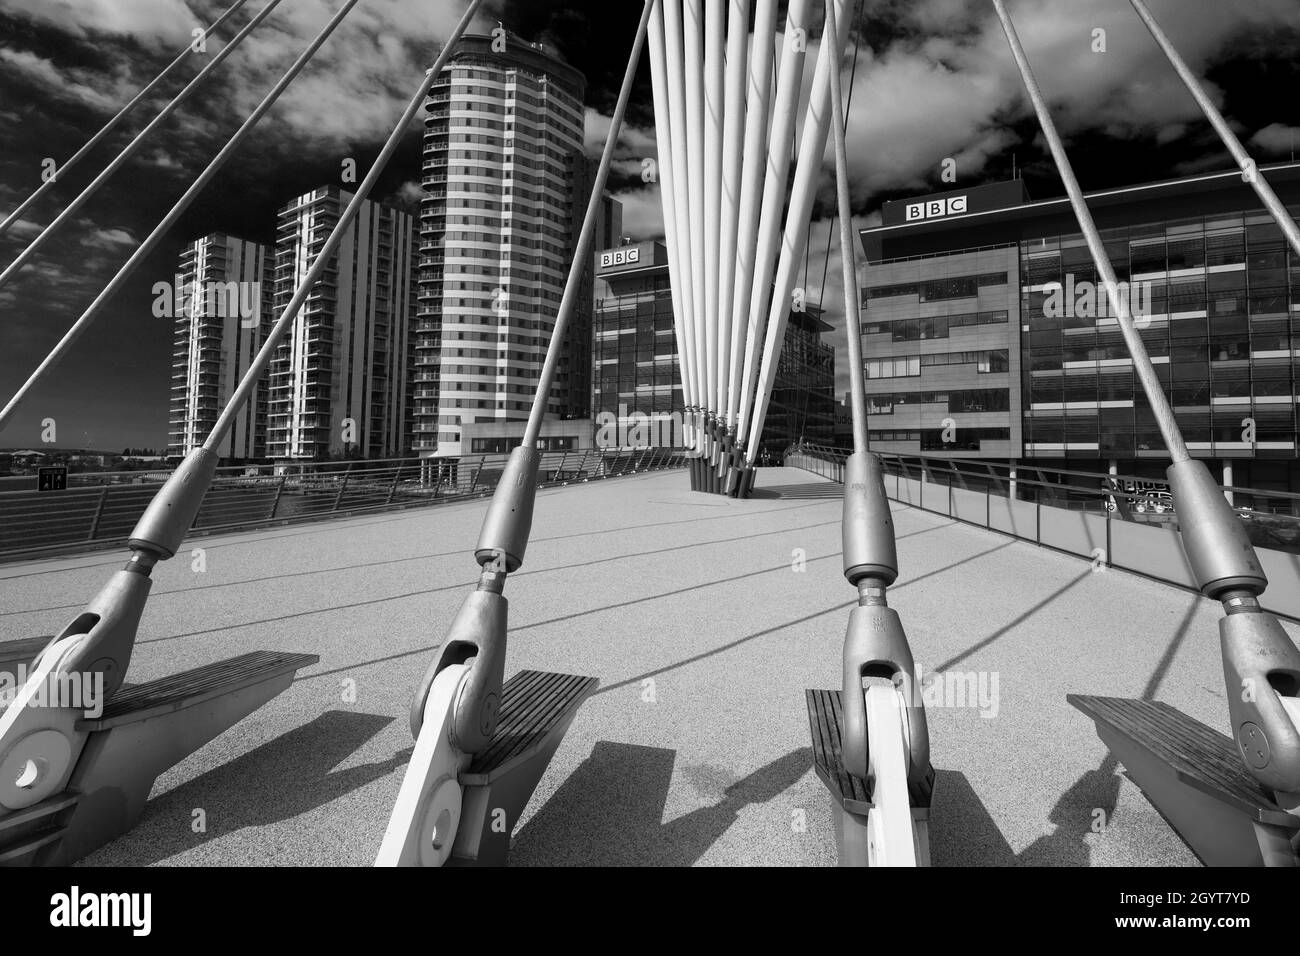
(636, 371)
(1214, 297)
(803, 394)
(635, 365)
(1213, 287)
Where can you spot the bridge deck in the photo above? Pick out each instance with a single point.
(695, 749)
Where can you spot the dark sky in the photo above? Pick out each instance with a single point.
(933, 80)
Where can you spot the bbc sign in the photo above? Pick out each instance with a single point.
(619, 257)
(934, 208)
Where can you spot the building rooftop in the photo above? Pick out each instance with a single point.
(1001, 212)
(695, 748)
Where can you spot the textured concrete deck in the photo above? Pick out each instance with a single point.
(689, 610)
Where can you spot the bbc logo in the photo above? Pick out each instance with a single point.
(935, 208)
(619, 257)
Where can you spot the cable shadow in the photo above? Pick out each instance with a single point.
(360, 564)
(317, 528)
(609, 812)
(780, 627)
(962, 831)
(599, 610)
(285, 777)
(468, 584)
(1089, 805)
(1002, 631)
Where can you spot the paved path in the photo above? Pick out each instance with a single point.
(704, 635)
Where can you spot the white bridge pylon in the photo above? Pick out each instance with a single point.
(726, 107)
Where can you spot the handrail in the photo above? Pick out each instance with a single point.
(99, 509)
(1278, 530)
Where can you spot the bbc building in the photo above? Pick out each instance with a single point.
(636, 369)
(987, 334)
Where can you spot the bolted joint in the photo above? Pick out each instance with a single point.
(876, 646)
(1261, 672)
(163, 526)
(504, 536)
(1214, 539)
(867, 528)
(108, 625)
(477, 637)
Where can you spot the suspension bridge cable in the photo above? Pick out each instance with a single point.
(108, 127)
(1249, 172)
(848, 104)
(758, 98)
(169, 220)
(781, 143)
(848, 251)
(263, 358)
(737, 69)
(1142, 366)
(129, 150)
(812, 146)
(582, 253)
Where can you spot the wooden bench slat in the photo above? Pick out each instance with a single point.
(1199, 755)
(195, 686)
(532, 704)
(540, 702)
(825, 718)
(23, 649)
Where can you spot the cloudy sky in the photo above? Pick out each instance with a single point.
(933, 80)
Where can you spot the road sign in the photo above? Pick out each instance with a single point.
(54, 478)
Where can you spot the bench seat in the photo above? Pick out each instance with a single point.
(825, 718)
(1199, 756)
(188, 688)
(533, 704)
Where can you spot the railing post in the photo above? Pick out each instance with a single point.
(275, 502)
(342, 488)
(392, 489)
(99, 511)
(478, 471)
(559, 470)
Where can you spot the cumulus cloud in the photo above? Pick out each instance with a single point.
(643, 214)
(632, 140)
(1276, 139)
(110, 239)
(146, 19)
(77, 86)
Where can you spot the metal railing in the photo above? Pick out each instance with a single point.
(99, 509)
(1119, 521)
(1272, 518)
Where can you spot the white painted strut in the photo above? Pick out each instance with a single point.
(781, 138)
(667, 189)
(732, 158)
(426, 816)
(812, 146)
(757, 122)
(693, 74)
(892, 839)
(715, 14)
(687, 252)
